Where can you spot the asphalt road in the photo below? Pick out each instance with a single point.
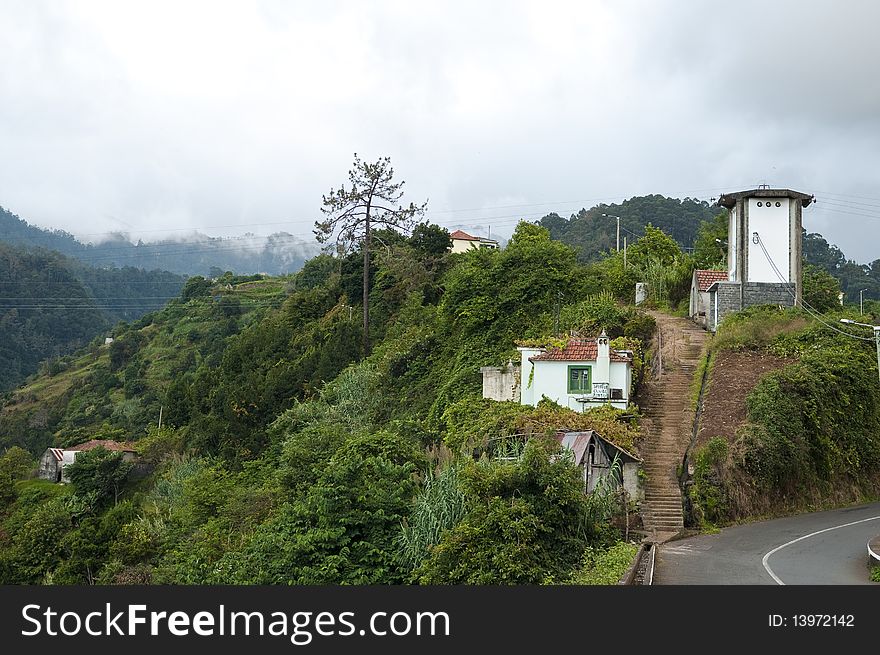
(818, 548)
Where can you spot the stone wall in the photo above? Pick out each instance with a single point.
(501, 382)
(724, 299)
(768, 293)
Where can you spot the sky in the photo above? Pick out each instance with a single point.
(159, 118)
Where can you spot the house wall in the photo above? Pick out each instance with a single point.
(501, 382)
(725, 298)
(463, 245)
(693, 308)
(772, 225)
(631, 480)
(48, 466)
(551, 379)
(527, 382)
(699, 304)
(69, 458)
(766, 293)
(733, 245)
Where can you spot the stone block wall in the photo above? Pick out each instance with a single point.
(724, 299)
(768, 293)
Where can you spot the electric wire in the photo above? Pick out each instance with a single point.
(809, 309)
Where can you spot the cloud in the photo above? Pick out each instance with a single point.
(159, 116)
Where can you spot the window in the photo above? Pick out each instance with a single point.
(579, 379)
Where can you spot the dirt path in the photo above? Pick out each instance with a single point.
(668, 422)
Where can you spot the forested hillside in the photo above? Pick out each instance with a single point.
(694, 224)
(194, 254)
(51, 305)
(286, 458)
(591, 233)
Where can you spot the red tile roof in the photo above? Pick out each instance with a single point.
(107, 443)
(706, 279)
(578, 350)
(463, 236)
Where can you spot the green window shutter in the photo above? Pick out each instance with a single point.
(580, 379)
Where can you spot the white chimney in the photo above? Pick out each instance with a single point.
(603, 360)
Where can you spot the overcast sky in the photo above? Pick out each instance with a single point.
(156, 117)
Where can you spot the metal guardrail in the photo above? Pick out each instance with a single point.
(648, 578)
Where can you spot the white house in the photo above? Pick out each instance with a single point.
(702, 280)
(586, 373)
(462, 242)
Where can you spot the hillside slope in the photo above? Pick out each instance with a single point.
(789, 421)
(195, 254)
(51, 305)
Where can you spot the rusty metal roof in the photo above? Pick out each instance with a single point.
(579, 443)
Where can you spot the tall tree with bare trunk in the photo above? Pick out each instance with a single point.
(372, 199)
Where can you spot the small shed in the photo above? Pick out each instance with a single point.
(700, 300)
(55, 460)
(594, 455)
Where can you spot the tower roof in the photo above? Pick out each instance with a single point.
(729, 199)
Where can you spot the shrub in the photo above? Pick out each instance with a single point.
(525, 522)
(604, 566)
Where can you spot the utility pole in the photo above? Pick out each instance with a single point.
(618, 228)
(876, 329)
(624, 252)
(160, 417)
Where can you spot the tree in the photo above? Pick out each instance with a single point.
(710, 248)
(15, 463)
(430, 239)
(99, 471)
(352, 212)
(821, 289)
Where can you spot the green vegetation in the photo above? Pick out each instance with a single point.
(592, 234)
(875, 573)
(605, 566)
(811, 429)
(51, 306)
(286, 456)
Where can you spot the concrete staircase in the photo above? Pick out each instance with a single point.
(668, 423)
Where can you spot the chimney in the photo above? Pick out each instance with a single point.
(603, 360)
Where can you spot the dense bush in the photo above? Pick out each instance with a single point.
(525, 522)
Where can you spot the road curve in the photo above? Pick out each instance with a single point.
(824, 548)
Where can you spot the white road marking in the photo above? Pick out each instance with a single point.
(806, 536)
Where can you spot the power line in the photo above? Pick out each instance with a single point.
(812, 311)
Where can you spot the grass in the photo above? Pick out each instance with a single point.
(605, 567)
